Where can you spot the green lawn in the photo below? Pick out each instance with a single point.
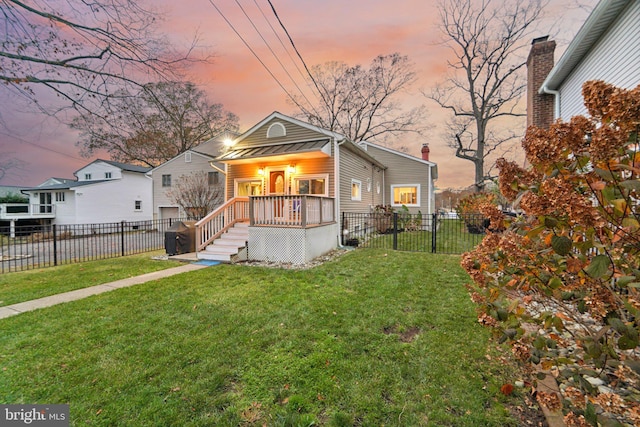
(452, 237)
(373, 338)
(27, 285)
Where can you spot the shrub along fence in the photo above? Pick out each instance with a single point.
(436, 233)
(37, 246)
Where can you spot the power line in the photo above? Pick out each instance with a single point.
(272, 52)
(255, 54)
(275, 33)
(315, 83)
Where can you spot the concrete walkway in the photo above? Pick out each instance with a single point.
(12, 310)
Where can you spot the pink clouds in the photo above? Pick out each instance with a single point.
(354, 32)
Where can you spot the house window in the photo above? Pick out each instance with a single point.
(405, 195)
(166, 180)
(107, 175)
(59, 196)
(276, 130)
(187, 157)
(313, 185)
(214, 178)
(87, 176)
(138, 205)
(248, 187)
(356, 190)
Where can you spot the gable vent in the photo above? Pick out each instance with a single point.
(276, 130)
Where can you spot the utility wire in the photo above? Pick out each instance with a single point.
(255, 54)
(295, 64)
(272, 52)
(315, 83)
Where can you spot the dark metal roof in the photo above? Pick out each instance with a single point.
(273, 150)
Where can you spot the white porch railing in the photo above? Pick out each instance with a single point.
(291, 211)
(16, 211)
(217, 222)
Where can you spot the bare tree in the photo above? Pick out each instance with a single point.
(487, 39)
(197, 193)
(162, 121)
(361, 103)
(9, 165)
(81, 52)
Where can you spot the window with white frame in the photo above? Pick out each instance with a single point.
(405, 194)
(315, 185)
(107, 175)
(187, 157)
(87, 176)
(59, 196)
(138, 205)
(356, 190)
(166, 180)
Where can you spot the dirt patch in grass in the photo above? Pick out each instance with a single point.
(404, 335)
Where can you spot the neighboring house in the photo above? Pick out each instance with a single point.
(104, 192)
(607, 47)
(291, 180)
(199, 159)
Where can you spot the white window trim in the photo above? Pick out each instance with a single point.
(324, 176)
(276, 130)
(135, 206)
(237, 181)
(358, 198)
(418, 198)
(187, 157)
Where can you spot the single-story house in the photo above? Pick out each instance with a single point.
(607, 47)
(288, 181)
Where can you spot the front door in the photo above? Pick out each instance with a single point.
(278, 187)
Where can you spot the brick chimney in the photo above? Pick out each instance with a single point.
(425, 152)
(539, 64)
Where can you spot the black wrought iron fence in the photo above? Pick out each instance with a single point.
(437, 233)
(37, 246)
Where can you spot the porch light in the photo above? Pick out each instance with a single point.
(260, 170)
(292, 168)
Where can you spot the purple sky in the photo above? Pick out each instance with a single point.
(354, 32)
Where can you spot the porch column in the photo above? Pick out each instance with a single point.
(12, 229)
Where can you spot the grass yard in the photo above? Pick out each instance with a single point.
(372, 338)
(32, 284)
(452, 237)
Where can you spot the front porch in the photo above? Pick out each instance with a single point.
(291, 228)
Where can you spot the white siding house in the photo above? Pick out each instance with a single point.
(607, 48)
(105, 191)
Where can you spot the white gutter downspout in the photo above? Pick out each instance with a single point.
(556, 100)
(336, 189)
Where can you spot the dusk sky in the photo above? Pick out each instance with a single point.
(353, 32)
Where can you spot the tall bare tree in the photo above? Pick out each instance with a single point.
(82, 52)
(162, 121)
(197, 194)
(361, 103)
(488, 40)
(9, 165)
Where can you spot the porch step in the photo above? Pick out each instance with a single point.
(226, 247)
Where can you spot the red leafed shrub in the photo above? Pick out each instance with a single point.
(561, 282)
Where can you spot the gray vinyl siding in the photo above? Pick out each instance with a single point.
(614, 59)
(177, 167)
(403, 170)
(295, 133)
(352, 167)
